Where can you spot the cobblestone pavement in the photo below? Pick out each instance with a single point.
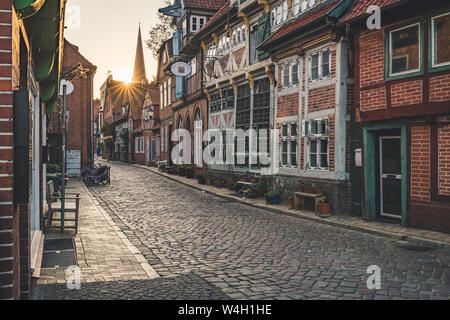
(250, 253)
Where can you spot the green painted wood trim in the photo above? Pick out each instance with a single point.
(387, 44)
(430, 43)
(370, 206)
(370, 209)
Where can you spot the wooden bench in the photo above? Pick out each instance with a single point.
(71, 208)
(244, 185)
(300, 200)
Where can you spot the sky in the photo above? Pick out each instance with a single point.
(106, 33)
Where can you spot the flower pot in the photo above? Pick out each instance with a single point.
(276, 199)
(208, 181)
(324, 208)
(292, 202)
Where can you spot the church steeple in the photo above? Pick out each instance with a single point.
(139, 75)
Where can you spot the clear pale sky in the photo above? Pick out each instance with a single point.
(108, 33)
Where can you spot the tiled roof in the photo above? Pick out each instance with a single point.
(302, 20)
(359, 9)
(218, 14)
(205, 4)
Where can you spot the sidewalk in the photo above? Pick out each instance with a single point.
(388, 230)
(103, 252)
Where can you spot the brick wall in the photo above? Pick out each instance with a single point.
(371, 58)
(287, 105)
(373, 99)
(420, 163)
(79, 106)
(406, 93)
(444, 159)
(321, 98)
(9, 226)
(440, 88)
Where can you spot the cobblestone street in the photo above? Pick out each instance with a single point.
(205, 247)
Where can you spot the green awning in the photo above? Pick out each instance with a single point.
(27, 8)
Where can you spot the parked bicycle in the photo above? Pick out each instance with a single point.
(98, 175)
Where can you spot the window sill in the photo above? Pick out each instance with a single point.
(404, 76)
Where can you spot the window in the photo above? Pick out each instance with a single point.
(243, 107)
(211, 50)
(193, 64)
(142, 145)
(318, 144)
(197, 23)
(296, 7)
(440, 30)
(404, 53)
(228, 99)
(289, 144)
(161, 94)
(253, 44)
(320, 66)
(279, 13)
(136, 145)
(169, 91)
(239, 36)
(215, 103)
(290, 74)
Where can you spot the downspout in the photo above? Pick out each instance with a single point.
(92, 120)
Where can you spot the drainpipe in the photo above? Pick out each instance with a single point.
(92, 120)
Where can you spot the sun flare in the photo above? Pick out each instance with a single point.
(123, 75)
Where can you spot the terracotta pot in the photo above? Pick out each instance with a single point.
(292, 202)
(324, 208)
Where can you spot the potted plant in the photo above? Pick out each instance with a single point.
(190, 172)
(182, 171)
(252, 194)
(201, 179)
(275, 196)
(219, 183)
(324, 208)
(208, 180)
(292, 202)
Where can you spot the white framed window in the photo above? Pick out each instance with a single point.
(296, 5)
(142, 145)
(318, 144)
(163, 135)
(320, 65)
(289, 144)
(279, 13)
(136, 145)
(404, 50)
(211, 50)
(169, 91)
(440, 30)
(290, 74)
(197, 22)
(161, 96)
(167, 140)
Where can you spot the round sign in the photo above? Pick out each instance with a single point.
(181, 69)
(69, 87)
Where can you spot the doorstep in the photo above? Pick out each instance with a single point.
(383, 229)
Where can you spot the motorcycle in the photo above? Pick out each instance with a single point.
(99, 175)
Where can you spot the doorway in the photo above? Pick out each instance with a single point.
(390, 176)
(385, 154)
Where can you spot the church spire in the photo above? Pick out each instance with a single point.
(139, 75)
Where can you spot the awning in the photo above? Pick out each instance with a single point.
(44, 22)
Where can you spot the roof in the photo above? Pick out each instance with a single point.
(359, 9)
(302, 20)
(205, 4)
(222, 10)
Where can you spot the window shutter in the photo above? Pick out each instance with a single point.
(263, 34)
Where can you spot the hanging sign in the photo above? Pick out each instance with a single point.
(181, 69)
(69, 87)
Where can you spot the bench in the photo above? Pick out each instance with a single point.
(245, 185)
(300, 200)
(71, 208)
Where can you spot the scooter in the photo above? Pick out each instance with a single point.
(99, 175)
